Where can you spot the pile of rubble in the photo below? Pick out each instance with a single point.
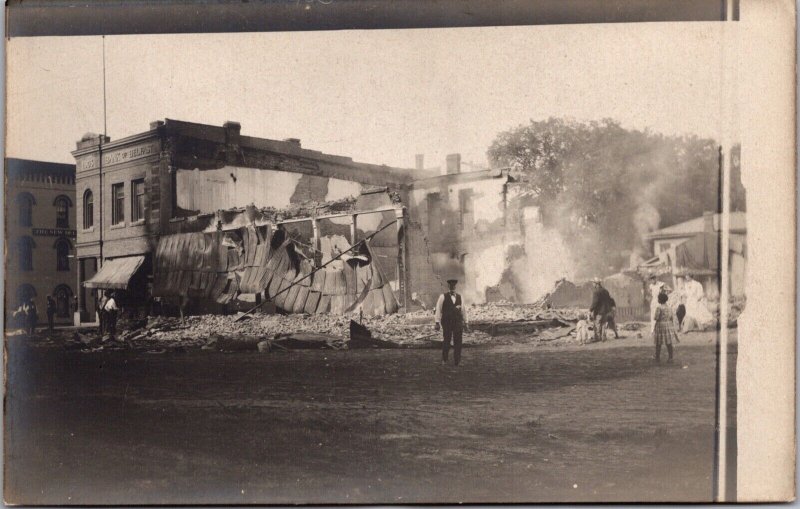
(507, 312)
(267, 332)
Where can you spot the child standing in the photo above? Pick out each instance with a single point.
(663, 327)
(582, 330)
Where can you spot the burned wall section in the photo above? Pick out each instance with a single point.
(460, 226)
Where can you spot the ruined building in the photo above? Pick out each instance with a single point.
(204, 215)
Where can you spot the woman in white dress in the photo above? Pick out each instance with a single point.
(696, 307)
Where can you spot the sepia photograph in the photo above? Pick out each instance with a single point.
(473, 264)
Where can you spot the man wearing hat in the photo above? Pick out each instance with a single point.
(451, 318)
(600, 309)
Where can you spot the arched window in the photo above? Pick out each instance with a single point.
(88, 209)
(62, 247)
(25, 203)
(63, 296)
(62, 204)
(25, 248)
(25, 292)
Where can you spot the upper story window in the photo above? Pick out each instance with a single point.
(62, 205)
(25, 203)
(88, 209)
(63, 247)
(466, 207)
(118, 203)
(434, 214)
(25, 248)
(137, 200)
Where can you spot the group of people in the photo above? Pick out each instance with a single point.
(668, 311)
(28, 314)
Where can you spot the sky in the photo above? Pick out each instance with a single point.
(378, 96)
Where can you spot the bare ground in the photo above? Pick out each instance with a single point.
(514, 424)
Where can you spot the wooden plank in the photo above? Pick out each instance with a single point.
(350, 279)
(212, 241)
(280, 298)
(324, 304)
(266, 278)
(363, 277)
(174, 259)
(377, 277)
(245, 244)
(389, 299)
(312, 302)
(318, 281)
(247, 279)
(349, 301)
(337, 304)
(195, 283)
(331, 282)
(261, 255)
(291, 296)
(252, 242)
(306, 267)
(211, 280)
(222, 257)
(300, 300)
(341, 283)
(378, 303)
(367, 305)
(281, 263)
(274, 286)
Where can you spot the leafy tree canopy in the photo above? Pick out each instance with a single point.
(603, 186)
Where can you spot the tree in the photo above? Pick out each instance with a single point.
(603, 187)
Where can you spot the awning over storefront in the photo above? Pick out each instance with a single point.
(115, 273)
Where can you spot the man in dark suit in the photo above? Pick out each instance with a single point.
(600, 309)
(451, 318)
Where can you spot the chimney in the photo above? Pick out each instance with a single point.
(293, 141)
(232, 130)
(708, 221)
(92, 140)
(233, 135)
(419, 161)
(453, 163)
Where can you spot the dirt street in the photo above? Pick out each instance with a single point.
(512, 424)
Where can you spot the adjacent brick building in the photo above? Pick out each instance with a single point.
(40, 236)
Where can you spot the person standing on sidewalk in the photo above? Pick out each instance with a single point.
(101, 312)
(111, 310)
(451, 319)
(51, 312)
(30, 316)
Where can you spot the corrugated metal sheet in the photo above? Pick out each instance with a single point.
(220, 266)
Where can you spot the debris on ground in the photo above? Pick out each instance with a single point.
(633, 326)
(495, 323)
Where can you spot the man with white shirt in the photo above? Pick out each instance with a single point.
(451, 317)
(110, 308)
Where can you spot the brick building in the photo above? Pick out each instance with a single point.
(40, 232)
(181, 177)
